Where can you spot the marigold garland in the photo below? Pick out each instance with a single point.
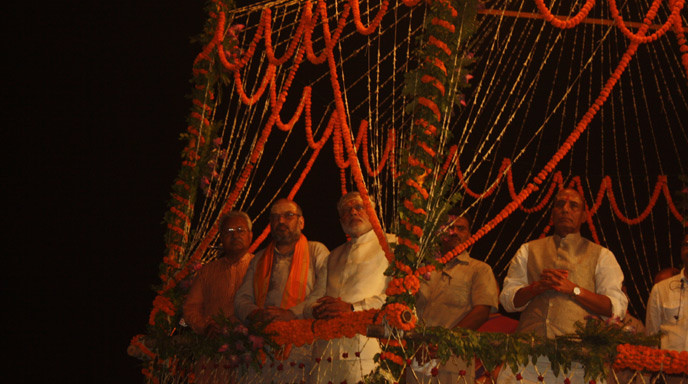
(393, 357)
(394, 313)
(639, 358)
(182, 199)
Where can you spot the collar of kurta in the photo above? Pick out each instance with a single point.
(571, 238)
(462, 259)
(363, 238)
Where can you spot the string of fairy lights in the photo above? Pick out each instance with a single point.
(531, 82)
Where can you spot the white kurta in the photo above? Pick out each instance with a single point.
(355, 273)
(607, 278)
(667, 311)
(245, 303)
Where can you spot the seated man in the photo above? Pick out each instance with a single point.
(559, 280)
(353, 280)
(462, 295)
(281, 276)
(667, 307)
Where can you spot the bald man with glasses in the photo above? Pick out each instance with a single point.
(281, 275)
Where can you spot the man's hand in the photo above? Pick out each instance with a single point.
(260, 316)
(558, 280)
(270, 314)
(528, 292)
(279, 314)
(212, 329)
(329, 307)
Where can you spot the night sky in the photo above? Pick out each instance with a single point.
(94, 108)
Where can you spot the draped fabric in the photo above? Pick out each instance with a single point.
(295, 288)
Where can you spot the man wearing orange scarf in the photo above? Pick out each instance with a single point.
(281, 276)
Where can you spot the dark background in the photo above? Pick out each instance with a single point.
(94, 102)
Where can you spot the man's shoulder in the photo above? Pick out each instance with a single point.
(583, 241)
(478, 263)
(317, 247)
(317, 244)
(339, 249)
(212, 265)
(536, 242)
(667, 283)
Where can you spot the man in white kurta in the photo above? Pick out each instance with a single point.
(354, 281)
(667, 310)
(559, 280)
(271, 304)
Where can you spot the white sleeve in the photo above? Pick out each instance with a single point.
(608, 281)
(319, 254)
(653, 317)
(516, 278)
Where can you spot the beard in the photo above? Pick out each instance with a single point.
(449, 242)
(283, 235)
(356, 227)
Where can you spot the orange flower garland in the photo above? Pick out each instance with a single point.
(305, 331)
(393, 357)
(639, 358)
(308, 21)
(409, 283)
(304, 33)
(395, 314)
(297, 332)
(138, 344)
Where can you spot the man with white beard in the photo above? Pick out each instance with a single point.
(354, 280)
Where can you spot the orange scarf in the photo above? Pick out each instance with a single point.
(297, 282)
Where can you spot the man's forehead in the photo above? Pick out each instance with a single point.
(352, 201)
(283, 206)
(234, 220)
(568, 194)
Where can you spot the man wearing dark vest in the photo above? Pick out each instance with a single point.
(559, 280)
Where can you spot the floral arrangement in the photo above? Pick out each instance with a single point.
(424, 191)
(594, 344)
(435, 87)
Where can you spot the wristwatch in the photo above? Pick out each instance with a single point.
(576, 291)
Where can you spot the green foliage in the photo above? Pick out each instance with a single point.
(593, 345)
(446, 96)
(242, 347)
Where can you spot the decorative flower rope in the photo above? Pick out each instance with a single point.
(219, 47)
(641, 358)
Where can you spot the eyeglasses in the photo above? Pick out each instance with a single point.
(237, 230)
(287, 216)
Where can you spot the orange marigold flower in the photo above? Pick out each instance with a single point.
(399, 316)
